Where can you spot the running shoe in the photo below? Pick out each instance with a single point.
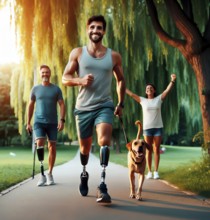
(149, 175)
(50, 180)
(102, 195)
(156, 175)
(42, 180)
(83, 187)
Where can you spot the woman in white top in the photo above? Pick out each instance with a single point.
(152, 121)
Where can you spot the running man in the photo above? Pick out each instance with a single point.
(95, 66)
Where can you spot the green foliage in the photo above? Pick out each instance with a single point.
(194, 177)
(147, 59)
(199, 138)
(8, 123)
(16, 163)
(48, 30)
(41, 27)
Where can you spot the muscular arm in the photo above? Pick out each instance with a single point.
(120, 80)
(169, 87)
(69, 78)
(62, 109)
(133, 95)
(30, 114)
(62, 114)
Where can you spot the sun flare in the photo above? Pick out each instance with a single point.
(8, 50)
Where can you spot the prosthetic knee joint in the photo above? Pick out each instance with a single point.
(104, 159)
(40, 153)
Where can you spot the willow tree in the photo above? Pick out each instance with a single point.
(145, 59)
(46, 32)
(194, 45)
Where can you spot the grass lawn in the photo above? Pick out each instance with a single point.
(16, 163)
(181, 166)
(172, 157)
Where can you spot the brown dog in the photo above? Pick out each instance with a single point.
(137, 162)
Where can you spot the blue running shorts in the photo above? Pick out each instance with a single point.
(87, 120)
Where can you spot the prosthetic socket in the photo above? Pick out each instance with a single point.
(84, 161)
(104, 159)
(40, 153)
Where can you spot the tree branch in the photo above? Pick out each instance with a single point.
(163, 35)
(186, 26)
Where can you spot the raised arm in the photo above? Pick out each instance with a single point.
(169, 87)
(134, 96)
(120, 81)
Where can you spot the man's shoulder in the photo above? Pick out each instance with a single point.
(114, 51)
(54, 86)
(77, 50)
(116, 57)
(36, 87)
(115, 54)
(76, 53)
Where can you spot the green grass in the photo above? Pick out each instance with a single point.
(16, 163)
(172, 158)
(181, 166)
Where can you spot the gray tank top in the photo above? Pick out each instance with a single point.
(99, 93)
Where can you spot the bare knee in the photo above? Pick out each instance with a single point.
(156, 150)
(84, 150)
(103, 141)
(85, 145)
(52, 147)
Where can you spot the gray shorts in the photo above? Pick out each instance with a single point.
(43, 130)
(87, 120)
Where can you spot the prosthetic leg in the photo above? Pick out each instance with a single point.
(40, 154)
(102, 195)
(104, 159)
(83, 187)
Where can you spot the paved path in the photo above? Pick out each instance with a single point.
(62, 201)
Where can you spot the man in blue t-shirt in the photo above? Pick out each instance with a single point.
(46, 124)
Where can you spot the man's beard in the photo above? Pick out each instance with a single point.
(95, 40)
(45, 79)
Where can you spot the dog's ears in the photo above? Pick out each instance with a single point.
(129, 145)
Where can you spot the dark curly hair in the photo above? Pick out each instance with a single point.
(97, 18)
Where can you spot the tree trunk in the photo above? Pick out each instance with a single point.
(194, 47)
(201, 67)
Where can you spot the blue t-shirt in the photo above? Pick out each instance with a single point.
(46, 98)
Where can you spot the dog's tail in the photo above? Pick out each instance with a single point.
(139, 124)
